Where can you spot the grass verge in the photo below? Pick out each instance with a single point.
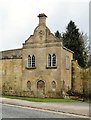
(41, 99)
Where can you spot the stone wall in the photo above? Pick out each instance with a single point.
(11, 76)
(86, 77)
(11, 54)
(0, 77)
(81, 78)
(66, 69)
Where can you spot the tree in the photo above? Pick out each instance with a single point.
(73, 40)
(89, 60)
(58, 34)
(87, 47)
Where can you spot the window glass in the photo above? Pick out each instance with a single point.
(33, 61)
(53, 60)
(49, 60)
(29, 61)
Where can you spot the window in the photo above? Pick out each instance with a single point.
(31, 61)
(53, 60)
(49, 60)
(67, 62)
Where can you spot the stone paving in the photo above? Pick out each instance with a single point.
(78, 108)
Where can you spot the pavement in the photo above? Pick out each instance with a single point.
(77, 108)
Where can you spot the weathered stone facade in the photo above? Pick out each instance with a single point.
(41, 68)
(81, 78)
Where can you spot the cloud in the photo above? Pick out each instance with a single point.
(18, 18)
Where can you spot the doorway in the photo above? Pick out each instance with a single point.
(41, 88)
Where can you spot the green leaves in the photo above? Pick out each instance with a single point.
(57, 34)
(73, 40)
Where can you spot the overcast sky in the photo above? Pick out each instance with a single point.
(18, 18)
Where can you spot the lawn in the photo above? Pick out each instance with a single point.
(41, 99)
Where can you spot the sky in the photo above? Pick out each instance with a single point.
(18, 18)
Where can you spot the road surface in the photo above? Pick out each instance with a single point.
(12, 111)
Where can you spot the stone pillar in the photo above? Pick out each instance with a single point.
(42, 19)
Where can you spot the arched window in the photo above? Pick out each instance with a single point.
(29, 85)
(40, 84)
(33, 61)
(53, 84)
(49, 60)
(53, 60)
(29, 61)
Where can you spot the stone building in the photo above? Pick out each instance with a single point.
(41, 68)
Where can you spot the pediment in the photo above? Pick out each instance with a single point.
(42, 34)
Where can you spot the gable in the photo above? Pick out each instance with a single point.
(42, 34)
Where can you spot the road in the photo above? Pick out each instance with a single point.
(12, 111)
(78, 108)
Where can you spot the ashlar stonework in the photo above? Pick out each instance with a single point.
(41, 68)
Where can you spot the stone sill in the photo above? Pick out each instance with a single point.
(51, 67)
(30, 67)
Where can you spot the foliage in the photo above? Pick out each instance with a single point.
(84, 96)
(73, 40)
(58, 34)
(89, 61)
(73, 93)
